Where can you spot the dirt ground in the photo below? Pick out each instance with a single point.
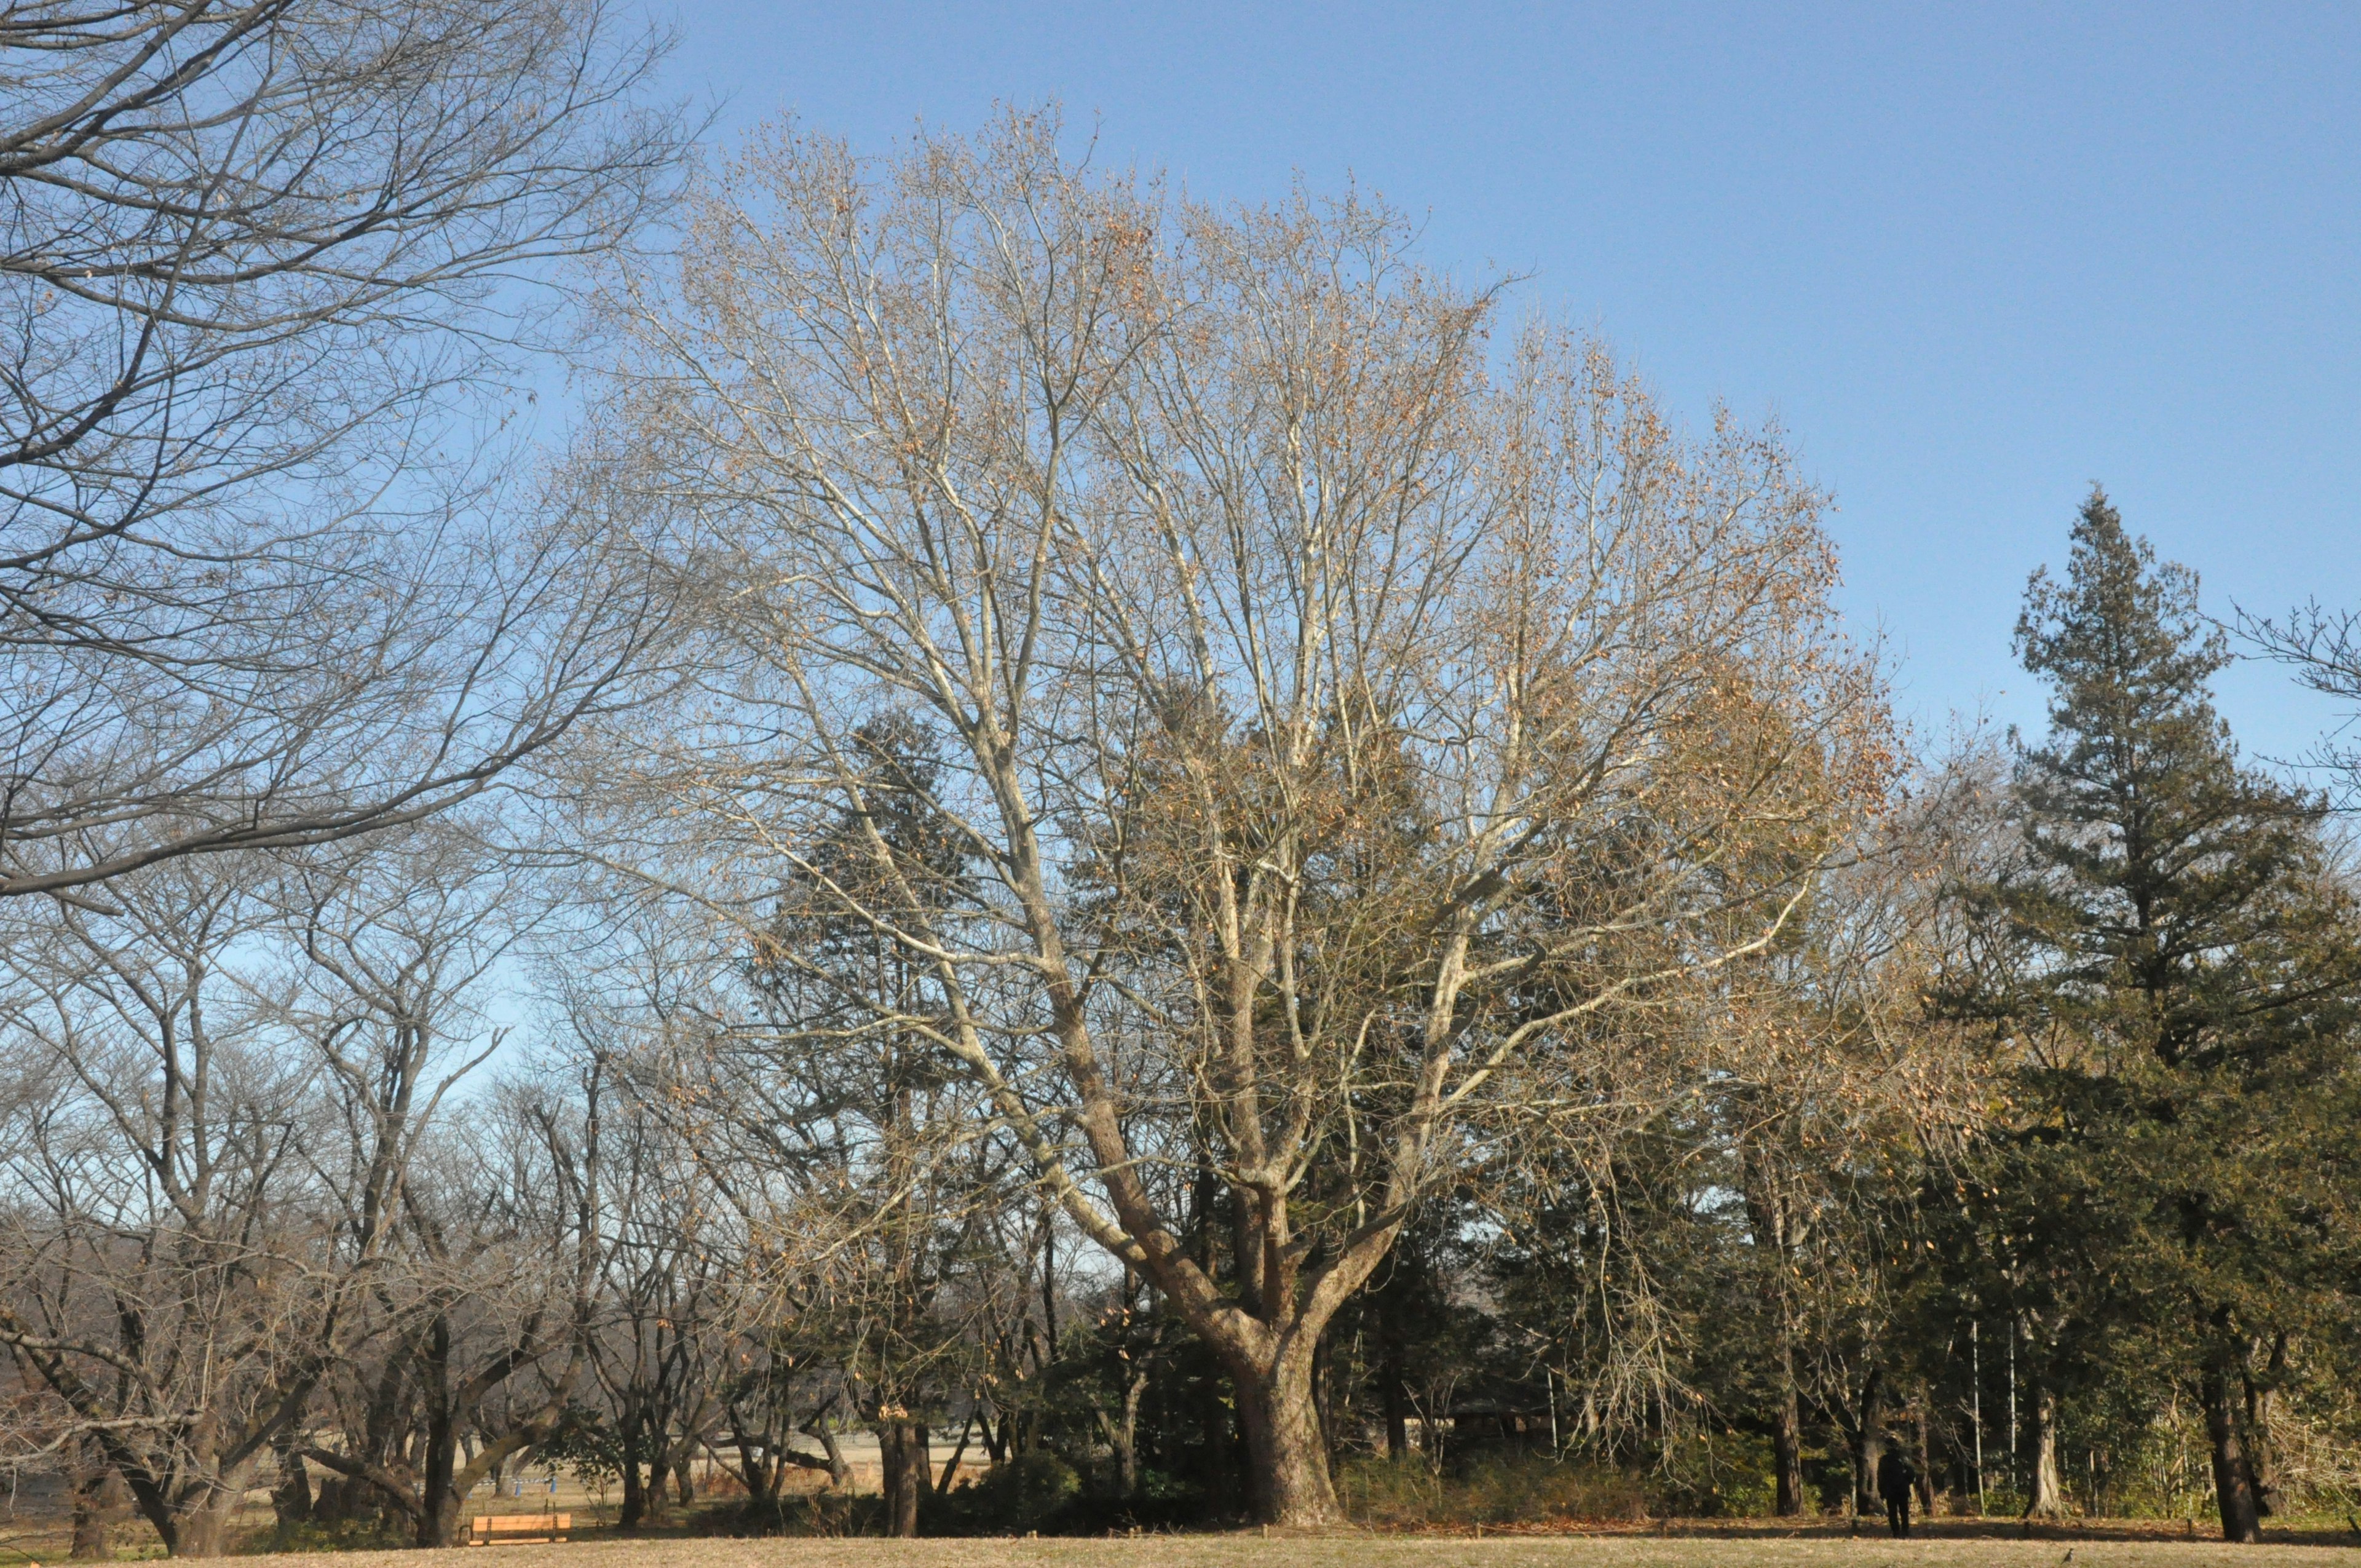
(1251, 1550)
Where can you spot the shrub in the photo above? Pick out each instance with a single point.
(371, 1534)
(1026, 1491)
(1506, 1489)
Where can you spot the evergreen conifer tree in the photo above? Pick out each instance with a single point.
(2178, 984)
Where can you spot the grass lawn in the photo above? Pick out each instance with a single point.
(2098, 1546)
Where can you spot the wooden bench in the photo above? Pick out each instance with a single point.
(518, 1529)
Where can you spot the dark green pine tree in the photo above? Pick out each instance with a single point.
(2181, 987)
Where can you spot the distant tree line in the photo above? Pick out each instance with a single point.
(1115, 841)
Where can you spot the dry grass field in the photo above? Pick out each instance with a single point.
(1252, 1550)
(35, 1532)
(1949, 1543)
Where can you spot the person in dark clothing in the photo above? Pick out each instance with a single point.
(1897, 1481)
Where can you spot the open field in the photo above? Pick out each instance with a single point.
(40, 1536)
(1946, 1543)
(1951, 1544)
(35, 1531)
(1251, 1550)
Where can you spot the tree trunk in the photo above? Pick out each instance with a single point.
(1122, 1436)
(995, 1439)
(197, 1533)
(203, 1529)
(2048, 1498)
(635, 1497)
(654, 1505)
(1767, 1218)
(1868, 1444)
(1924, 1457)
(1288, 1454)
(839, 1471)
(98, 1498)
(1397, 1409)
(438, 1505)
(2234, 1479)
(1788, 1437)
(290, 1500)
(959, 1451)
(908, 1471)
(1126, 1467)
(2262, 1401)
(1217, 1431)
(439, 1515)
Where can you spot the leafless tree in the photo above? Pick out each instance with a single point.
(1826, 1065)
(467, 1287)
(167, 1271)
(1338, 721)
(2322, 646)
(665, 1272)
(477, 1334)
(258, 257)
(841, 1202)
(233, 1072)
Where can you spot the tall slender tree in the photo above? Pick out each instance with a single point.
(2173, 969)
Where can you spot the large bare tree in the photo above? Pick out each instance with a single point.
(1341, 719)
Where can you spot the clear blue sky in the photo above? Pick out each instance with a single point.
(1972, 257)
